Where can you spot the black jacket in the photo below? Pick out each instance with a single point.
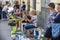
(0, 11)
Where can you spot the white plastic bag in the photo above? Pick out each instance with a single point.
(25, 39)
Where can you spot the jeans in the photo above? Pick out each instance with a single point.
(4, 16)
(29, 26)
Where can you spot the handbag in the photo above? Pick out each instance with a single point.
(55, 30)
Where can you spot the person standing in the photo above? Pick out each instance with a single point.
(23, 7)
(5, 33)
(57, 21)
(48, 33)
(5, 10)
(16, 4)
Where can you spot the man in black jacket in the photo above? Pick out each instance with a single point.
(23, 8)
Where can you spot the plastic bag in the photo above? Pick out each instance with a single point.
(55, 30)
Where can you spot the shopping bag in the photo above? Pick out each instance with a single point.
(55, 30)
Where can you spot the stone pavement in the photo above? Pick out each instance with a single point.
(5, 31)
